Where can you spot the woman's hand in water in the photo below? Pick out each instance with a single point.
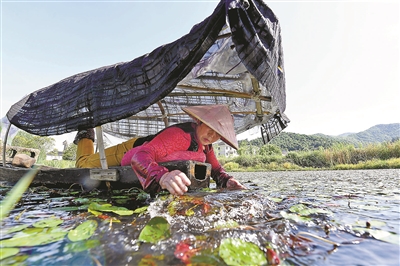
(176, 182)
(234, 184)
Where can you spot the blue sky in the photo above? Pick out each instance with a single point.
(341, 57)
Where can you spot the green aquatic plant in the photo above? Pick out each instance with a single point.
(8, 252)
(155, 230)
(235, 251)
(96, 208)
(50, 222)
(83, 231)
(15, 194)
(35, 237)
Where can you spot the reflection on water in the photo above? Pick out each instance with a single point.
(298, 215)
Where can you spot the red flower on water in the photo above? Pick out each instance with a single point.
(184, 251)
(272, 257)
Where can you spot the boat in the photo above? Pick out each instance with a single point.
(233, 57)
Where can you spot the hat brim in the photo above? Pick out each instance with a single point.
(218, 118)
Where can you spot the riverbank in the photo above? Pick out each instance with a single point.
(338, 157)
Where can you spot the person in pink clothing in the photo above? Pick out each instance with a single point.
(186, 141)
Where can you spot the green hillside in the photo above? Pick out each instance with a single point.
(288, 141)
(375, 134)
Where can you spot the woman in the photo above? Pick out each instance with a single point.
(186, 141)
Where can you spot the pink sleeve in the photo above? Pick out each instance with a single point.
(145, 157)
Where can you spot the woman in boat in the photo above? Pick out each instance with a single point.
(186, 141)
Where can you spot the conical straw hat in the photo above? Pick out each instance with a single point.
(218, 118)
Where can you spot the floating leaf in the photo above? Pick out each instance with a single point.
(294, 217)
(8, 252)
(372, 223)
(276, 200)
(49, 222)
(81, 245)
(156, 229)
(83, 200)
(46, 236)
(70, 208)
(172, 207)
(83, 231)
(17, 228)
(381, 235)
(226, 224)
(30, 231)
(109, 208)
(141, 210)
(190, 211)
(305, 211)
(235, 251)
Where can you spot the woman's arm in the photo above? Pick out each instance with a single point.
(144, 159)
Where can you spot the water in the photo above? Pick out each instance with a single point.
(358, 210)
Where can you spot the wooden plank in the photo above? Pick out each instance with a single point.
(69, 176)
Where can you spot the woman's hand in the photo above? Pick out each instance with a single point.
(234, 184)
(176, 182)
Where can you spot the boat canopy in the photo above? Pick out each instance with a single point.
(233, 57)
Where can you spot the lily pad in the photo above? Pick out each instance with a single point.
(81, 245)
(83, 231)
(50, 222)
(373, 223)
(381, 235)
(303, 210)
(172, 207)
(17, 228)
(156, 229)
(141, 210)
(109, 208)
(276, 200)
(8, 252)
(45, 236)
(294, 217)
(235, 251)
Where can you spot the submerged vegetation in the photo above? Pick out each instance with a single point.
(270, 223)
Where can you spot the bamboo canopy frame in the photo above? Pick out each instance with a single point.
(233, 57)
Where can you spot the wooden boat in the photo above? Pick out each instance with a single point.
(233, 57)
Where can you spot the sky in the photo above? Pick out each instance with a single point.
(341, 58)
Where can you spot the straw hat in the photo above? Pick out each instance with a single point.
(218, 118)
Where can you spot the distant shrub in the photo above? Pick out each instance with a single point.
(246, 160)
(59, 163)
(269, 149)
(231, 166)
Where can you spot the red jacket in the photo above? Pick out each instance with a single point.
(177, 142)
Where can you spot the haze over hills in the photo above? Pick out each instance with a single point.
(293, 141)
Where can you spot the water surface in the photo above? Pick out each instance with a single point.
(306, 218)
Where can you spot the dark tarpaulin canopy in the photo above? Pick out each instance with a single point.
(233, 57)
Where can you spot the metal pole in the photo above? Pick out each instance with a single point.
(100, 144)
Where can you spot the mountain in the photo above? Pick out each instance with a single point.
(375, 134)
(288, 141)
